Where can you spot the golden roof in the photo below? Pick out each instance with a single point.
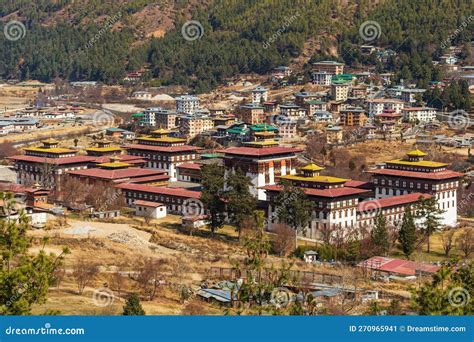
(421, 163)
(315, 179)
(160, 131)
(416, 153)
(114, 164)
(55, 150)
(103, 149)
(162, 139)
(262, 143)
(312, 167)
(50, 141)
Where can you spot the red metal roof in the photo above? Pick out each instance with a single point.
(147, 179)
(148, 203)
(178, 192)
(399, 266)
(359, 184)
(169, 149)
(193, 166)
(259, 152)
(55, 161)
(123, 158)
(390, 201)
(336, 192)
(414, 174)
(131, 172)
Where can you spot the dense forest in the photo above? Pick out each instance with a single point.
(97, 40)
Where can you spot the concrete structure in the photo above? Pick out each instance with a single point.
(252, 113)
(160, 117)
(259, 94)
(331, 67)
(187, 104)
(353, 116)
(378, 106)
(419, 114)
(322, 78)
(149, 209)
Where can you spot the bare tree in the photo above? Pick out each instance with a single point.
(84, 271)
(7, 149)
(147, 276)
(284, 240)
(447, 240)
(117, 281)
(466, 242)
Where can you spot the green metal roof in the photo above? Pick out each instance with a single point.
(263, 127)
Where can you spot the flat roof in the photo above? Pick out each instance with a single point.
(447, 174)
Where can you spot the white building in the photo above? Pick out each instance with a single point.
(187, 104)
(322, 78)
(410, 94)
(160, 117)
(259, 94)
(378, 106)
(340, 91)
(149, 209)
(292, 110)
(419, 114)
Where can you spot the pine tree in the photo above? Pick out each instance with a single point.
(293, 208)
(379, 235)
(212, 195)
(407, 234)
(24, 276)
(427, 210)
(240, 201)
(133, 307)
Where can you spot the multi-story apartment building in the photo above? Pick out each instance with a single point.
(187, 104)
(252, 113)
(378, 106)
(322, 78)
(339, 91)
(193, 125)
(259, 94)
(160, 117)
(353, 116)
(419, 114)
(331, 67)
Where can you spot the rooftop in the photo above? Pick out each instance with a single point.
(374, 205)
(160, 190)
(329, 193)
(447, 174)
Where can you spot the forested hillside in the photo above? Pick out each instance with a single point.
(239, 37)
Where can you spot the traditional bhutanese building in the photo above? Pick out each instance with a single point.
(335, 205)
(45, 165)
(163, 152)
(261, 161)
(340, 205)
(103, 148)
(177, 200)
(414, 174)
(116, 171)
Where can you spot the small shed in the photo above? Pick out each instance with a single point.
(310, 256)
(153, 210)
